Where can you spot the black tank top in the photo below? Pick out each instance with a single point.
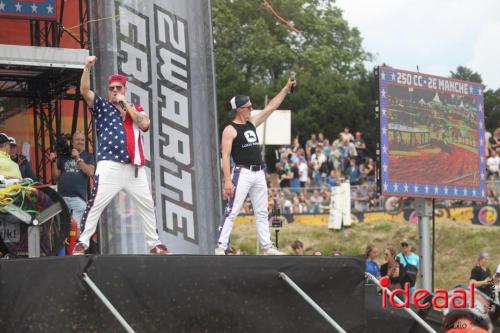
(246, 149)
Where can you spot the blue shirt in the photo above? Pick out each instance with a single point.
(412, 259)
(372, 268)
(112, 141)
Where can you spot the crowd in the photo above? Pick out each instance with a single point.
(303, 176)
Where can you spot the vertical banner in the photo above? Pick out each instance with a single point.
(165, 50)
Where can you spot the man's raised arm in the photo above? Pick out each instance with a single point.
(273, 104)
(88, 95)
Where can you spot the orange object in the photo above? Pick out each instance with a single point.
(73, 236)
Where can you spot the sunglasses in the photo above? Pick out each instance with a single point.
(112, 88)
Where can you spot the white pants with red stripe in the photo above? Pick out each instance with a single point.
(113, 177)
(254, 184)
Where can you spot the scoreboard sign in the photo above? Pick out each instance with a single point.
(432, 137)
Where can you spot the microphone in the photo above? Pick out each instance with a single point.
(292, 77)
(122, 105)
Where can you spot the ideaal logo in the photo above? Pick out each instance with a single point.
(422, 298)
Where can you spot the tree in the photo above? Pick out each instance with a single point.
(491, 97)
(466, 74)
(254, 54)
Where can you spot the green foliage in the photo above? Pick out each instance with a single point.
(466, 74)
(492, 109)
(254, 54)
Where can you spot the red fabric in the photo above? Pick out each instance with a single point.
(117, 78)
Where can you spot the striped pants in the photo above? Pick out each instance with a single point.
(110, 178)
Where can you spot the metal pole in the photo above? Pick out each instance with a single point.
(424, 210)
(409, 311)
(107, 303)
(311, 302)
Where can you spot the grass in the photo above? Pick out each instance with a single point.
(457, 244)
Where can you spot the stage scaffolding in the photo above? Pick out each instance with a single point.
(43, 75)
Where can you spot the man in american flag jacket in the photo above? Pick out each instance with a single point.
(120, 158)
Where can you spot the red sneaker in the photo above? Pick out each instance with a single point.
(79, 249)
(160, 249)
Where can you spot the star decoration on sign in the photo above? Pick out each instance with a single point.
(396, 187)
(406, 187)
(34, 7)
(383, 93)
(2, 6)
(393, 76)
(50, 9)
(426, 189)
(416, 188)
(446, 190)
(18, 7)
(385, 186)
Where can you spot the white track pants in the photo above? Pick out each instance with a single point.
(112, 177)
(254, 184)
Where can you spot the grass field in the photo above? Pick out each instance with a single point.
(457, 244)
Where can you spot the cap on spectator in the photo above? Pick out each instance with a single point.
(117, 78)
(4, 138)
(405, 242)
(12, 141)
(238, 101)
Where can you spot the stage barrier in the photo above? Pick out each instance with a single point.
(181, 294)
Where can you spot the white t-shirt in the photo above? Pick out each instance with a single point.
(303, 168)
(493, 163)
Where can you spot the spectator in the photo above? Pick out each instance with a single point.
(347, 151)
(295, 145)
(325, 204)
(480, 275)
(8, 168)
(337, 253)
(22, 161)
(495, 139)
(297, 248)
(368, 170)
(284, 174)
(493, 164)
(353, 172)
(317, 160)
(360, 145)
(311, 146)
(348, 134)
(333, 178)
(303, 172)
(295, 180)
(327, 148)
(371, 265)
(407, 257)
(304, 203)
(392, 269)
(317, 253)
(361, 198)
(72, 173)
(315, 201)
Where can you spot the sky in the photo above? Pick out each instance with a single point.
(435, 35)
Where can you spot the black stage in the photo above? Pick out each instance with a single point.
(182, 293)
